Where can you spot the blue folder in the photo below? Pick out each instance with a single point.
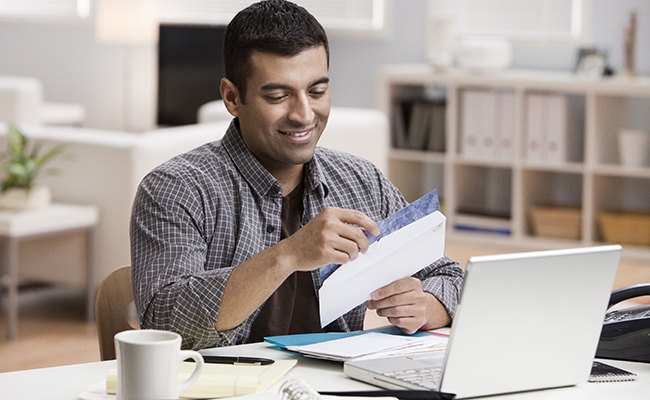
(284, 341)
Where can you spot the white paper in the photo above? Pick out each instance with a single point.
(373, 345)
(396, 256)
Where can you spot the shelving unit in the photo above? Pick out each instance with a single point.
(591, 180)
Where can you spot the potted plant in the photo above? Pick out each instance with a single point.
(20, 165)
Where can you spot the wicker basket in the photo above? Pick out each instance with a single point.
(556, 222)
(625, 227)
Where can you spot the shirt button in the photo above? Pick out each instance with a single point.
(270, 228)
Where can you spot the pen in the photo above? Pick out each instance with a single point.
(400, 394)
(237, 360)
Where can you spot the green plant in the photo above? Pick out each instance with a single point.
(19, 164)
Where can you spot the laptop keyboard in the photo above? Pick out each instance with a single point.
(426, 377)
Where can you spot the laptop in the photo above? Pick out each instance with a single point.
(524, 321)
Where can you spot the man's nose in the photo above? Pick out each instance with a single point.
(302, 111)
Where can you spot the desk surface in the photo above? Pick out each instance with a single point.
(67, 382)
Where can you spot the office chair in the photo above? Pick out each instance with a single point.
(113, 298)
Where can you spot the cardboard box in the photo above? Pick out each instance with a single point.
(625, 227)
(556, 222)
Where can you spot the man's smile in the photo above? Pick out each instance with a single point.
(300, 134)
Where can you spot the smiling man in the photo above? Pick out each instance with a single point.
(227, 239)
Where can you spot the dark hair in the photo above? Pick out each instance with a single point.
(274, 26)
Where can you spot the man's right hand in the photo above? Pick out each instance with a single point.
(334, 236)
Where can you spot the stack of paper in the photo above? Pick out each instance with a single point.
(372, 345)
(484, 223)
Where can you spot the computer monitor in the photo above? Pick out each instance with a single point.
(190, 68)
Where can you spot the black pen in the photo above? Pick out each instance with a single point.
(237, 360)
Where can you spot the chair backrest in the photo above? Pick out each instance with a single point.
(113, 297)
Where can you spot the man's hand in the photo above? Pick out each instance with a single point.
(334, 236)
(330, 238)
(408, 307)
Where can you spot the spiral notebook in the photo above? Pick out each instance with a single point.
(524, 321)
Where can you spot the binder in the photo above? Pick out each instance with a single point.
(486, 129)
(549, 129)
(555, 140)
(418, 131)
(505, 126)
(437, 129)
(487, 124)
(470, 123)
(399, 126)
(534, 127)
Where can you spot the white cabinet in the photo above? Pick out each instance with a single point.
(578, 117)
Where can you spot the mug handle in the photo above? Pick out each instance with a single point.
(198, 369)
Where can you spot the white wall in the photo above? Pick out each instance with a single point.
(74, 68)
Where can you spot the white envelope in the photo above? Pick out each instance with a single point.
(396, 256)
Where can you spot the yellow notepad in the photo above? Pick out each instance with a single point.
(223, 380)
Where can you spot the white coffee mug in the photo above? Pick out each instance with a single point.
(147, 365)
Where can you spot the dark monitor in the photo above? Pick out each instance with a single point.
(190, 68)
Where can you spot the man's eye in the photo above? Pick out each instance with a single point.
(275, 98)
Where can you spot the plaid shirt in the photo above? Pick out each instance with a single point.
(199, 215)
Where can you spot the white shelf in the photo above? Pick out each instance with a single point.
(592, 179)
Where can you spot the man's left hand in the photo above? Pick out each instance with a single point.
(408, 307)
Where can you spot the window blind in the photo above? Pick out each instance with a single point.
(350, 15)
(550, 20)
(358, 15)
(44, 8)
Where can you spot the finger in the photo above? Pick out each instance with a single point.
(347, 225)
(408, 319)
(390, 302)
(355, 217)
(400, 286)
(355, 236)
(348, 247)
(414, 310)
(344, 238)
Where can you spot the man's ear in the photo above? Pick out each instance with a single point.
(230, 96)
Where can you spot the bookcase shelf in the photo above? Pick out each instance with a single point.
(503, 187)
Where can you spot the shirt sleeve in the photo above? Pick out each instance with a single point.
(173, 289)
(444, 277)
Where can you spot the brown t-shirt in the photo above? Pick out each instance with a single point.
(293, 308)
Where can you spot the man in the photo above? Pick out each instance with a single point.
(227, 239)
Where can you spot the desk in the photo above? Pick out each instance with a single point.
(55, 219)
(67, 382)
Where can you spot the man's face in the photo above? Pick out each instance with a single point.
(287, 107)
